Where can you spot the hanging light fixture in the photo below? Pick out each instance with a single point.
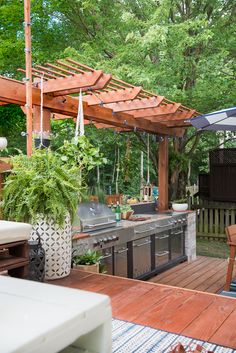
(3, 143)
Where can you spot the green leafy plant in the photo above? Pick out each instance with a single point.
(81, 153)
(41, 185)
(88, 258)
(126, 208)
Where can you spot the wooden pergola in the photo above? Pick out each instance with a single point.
(107, 103)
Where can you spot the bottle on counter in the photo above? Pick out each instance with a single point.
(118, 212)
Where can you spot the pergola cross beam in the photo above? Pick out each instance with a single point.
(136, 104)
(69, 106)
(71, 83)
(112, 96)
(158, 111)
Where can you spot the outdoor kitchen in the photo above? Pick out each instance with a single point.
(138, 248)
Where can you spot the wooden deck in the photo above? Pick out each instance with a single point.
(200, 315)
(205, 274)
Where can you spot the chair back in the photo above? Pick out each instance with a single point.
(231, 233)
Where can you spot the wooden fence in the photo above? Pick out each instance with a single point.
(212, 219)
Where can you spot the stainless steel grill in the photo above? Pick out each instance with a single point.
(95, 216)
(133, 249)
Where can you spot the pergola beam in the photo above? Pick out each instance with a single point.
(177, 118)
(179, 115)
(136, 104)
(71, 83)
(112, 96)
(69, 106)
(102, 82)
(151, 112)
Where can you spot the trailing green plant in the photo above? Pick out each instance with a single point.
(81, 153)
(89, 258)
(41, 185)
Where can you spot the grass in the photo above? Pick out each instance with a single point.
(212, 248)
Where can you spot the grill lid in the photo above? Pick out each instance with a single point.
(94, 216)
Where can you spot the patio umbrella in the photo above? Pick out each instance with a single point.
(222, 120)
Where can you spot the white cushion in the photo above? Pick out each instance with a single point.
(14, 231)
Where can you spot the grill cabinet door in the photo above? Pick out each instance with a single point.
(141, 256)
(120, 260)
(107, 261)
(162, 249)
(177, 243)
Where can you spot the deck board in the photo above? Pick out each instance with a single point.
(211, 319)
(203, 274)
(204, 316)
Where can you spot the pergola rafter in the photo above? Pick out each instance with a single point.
(136, 104)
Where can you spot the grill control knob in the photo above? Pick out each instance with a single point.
(109, 239)
(114, 237)
(105, 240)
(95, 243)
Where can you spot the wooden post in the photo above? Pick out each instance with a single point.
(28, 67)
(46, 120)
(163, 165)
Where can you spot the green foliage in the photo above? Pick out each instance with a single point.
(12, 123)
(183, 50)
(125, 208)
(40, 185)
(81, 153)
(88, 258)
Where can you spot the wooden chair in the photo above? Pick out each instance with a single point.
(231, 241)
(14, 251)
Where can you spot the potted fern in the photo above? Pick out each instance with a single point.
(44, 191)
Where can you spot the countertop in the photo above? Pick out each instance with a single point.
(124, 224)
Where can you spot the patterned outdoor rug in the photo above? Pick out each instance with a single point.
(131, 338)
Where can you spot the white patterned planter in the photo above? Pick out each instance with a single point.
(57, 244)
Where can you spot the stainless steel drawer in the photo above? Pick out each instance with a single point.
(162, 249)
(141, 256)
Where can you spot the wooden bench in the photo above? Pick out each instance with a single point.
(14, 251)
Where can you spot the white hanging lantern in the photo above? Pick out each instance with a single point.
(3, 143)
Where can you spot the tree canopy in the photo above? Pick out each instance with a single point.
(183, 49)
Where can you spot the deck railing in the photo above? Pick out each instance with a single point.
(213, 218)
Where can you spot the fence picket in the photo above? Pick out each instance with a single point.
(212, 220)
(216, 230)
(232, 213)
(206, 221)
(211, 226)
(227, 222)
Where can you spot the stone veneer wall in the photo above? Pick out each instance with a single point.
(190, 237)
